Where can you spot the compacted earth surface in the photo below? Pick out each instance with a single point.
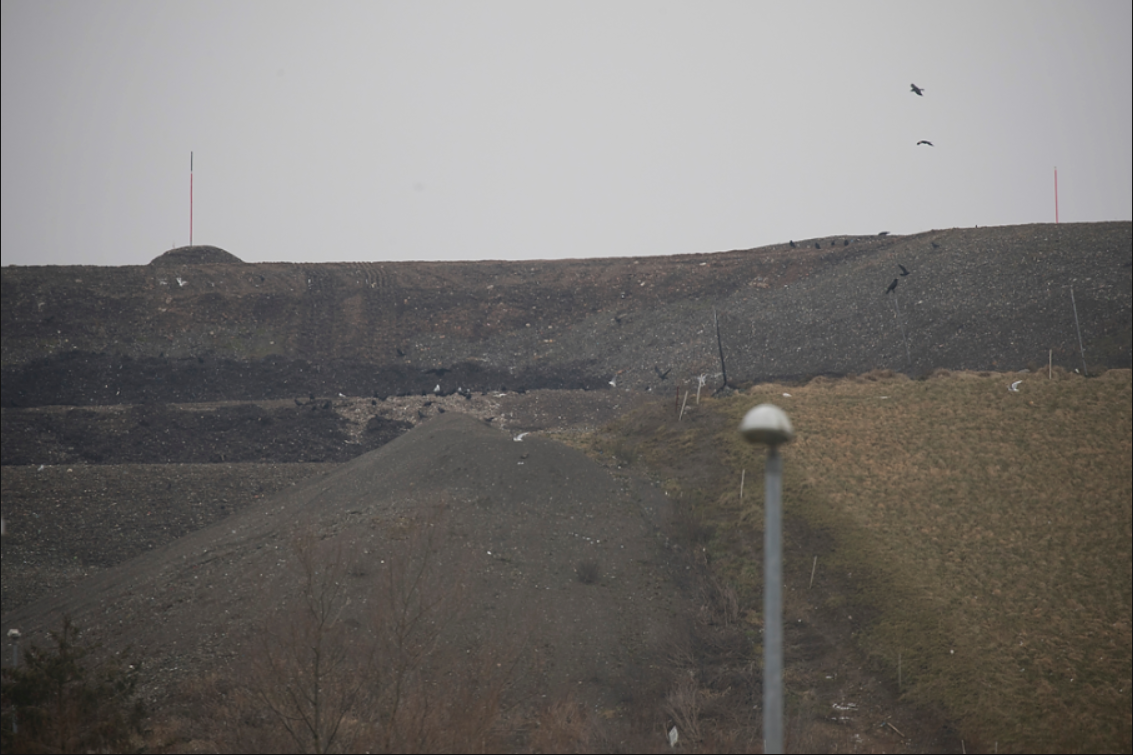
(175, 436)
(588, 577)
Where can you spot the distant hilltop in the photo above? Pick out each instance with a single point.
(200, 254)
(197, 324)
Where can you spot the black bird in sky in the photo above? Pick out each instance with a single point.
(892, 286)
(925, 141)
(918, 91)
(904, 272)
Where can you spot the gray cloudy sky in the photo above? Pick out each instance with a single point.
(537, 130)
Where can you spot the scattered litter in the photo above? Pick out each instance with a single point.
(844, 710)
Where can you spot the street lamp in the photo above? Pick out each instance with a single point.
(768, 425)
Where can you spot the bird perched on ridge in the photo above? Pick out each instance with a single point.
(918, 91)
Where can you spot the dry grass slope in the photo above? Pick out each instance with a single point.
(982, 537)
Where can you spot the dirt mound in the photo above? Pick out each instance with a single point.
(196, 255)
(542, 543)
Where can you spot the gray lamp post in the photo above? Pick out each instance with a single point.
(768, 425)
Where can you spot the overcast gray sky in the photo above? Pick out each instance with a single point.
(535, 130)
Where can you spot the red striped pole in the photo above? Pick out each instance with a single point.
(190, 198)
(1056, 195)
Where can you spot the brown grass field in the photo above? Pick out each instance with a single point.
(982, 538)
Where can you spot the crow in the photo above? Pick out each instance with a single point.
(904, 272)
(935, 245)
(792, 243)
(663, 375)
(883, 233)
(817, 245)
(892, 286)
(918, 91)
(925, 141)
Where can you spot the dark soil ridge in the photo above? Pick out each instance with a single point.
(519, 518)
(311, 430)
(977, 299)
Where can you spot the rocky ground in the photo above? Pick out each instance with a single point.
(979, 299)
(164, 425)
(85, 489)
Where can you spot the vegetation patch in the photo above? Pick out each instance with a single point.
(979, 536)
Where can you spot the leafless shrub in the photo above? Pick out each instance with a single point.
(683, 705)
(312, 669)
(394, 676)
(587, 572)
(70, 697)
(683, 527)
(563, 726)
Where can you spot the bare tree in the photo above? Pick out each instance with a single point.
(400, 674)
(312, 669)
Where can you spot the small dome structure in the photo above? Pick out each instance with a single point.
(197, 255)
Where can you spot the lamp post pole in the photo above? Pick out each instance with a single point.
(773, 604)
(768, 425)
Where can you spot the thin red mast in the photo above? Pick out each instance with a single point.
(1056, 195)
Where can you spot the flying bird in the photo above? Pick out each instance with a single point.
(918, 91)
(904, 272)
(925, 141)
(892, 286)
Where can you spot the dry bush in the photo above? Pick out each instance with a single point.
(311, 669)
(563, 726)
(64, 698)
(328, 674)
(587, 572)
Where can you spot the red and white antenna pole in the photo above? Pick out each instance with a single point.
(1056, 195)
(190, 198)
